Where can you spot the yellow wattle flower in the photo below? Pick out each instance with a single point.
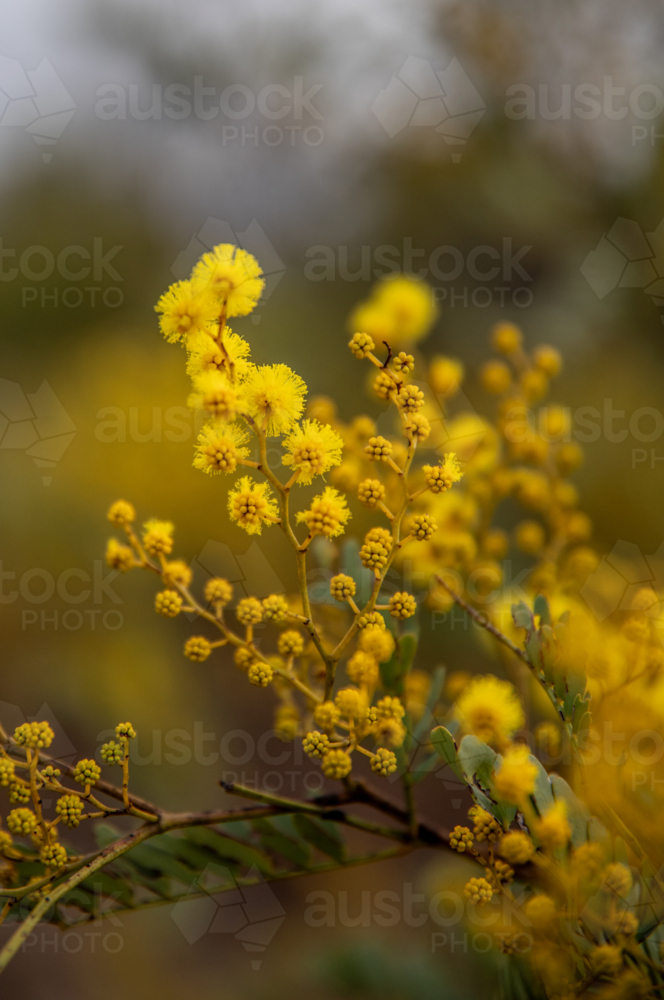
(220, 446)
(251, 505)
(515, 780)
(228, 355)
(312, 448)
(214, 393)
(490, 709)
(274, 396)
(185, 310)
(232, 276)
(327, 514)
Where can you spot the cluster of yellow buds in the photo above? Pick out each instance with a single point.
(351, 713)
(26, 775)
(485, 826)
(499, 873)
(461, 839)
(478, 890)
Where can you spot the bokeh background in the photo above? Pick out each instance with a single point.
(350, 152)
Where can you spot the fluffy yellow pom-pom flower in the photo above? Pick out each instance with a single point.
(552, 829)
(516, 778)
(158, 537)
(215, 394)
(185, 309)
(219, 447)
(232, 276)
(312, 448)
(490, 709)
(327, 515)
(274, 396)
(227, 355)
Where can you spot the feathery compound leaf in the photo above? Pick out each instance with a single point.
(324, 836)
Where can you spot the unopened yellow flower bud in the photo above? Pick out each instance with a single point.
(506, 337)
(158, 537)
(530, 537)
(197, 648)
(409, 399)
(121, 513)
(569, 457)
(260, 674)
(69, 808)
(478, 891)
(534, 384)
(402, 605)
(336, 764)
(342, 587)
(361, 345)
(461, 839)
(418, 426)
(384, 762)
(35, 735)
(384, 385)
(87, 772)
(168, 603)
(290, 643)
(119, 556)
(316, 744)
(442, 477)
(22, 822)
(422, 527)
(370, 492)
(403, 362)
(53, 856)
(243, 658)
(378, 449)
(445, 376)
(275, 608)
(326, 715)
(218, 592)
(176, 573)
(249, 611)
(371, 620)
(496, 377)
(390, 708)
(548, 360)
